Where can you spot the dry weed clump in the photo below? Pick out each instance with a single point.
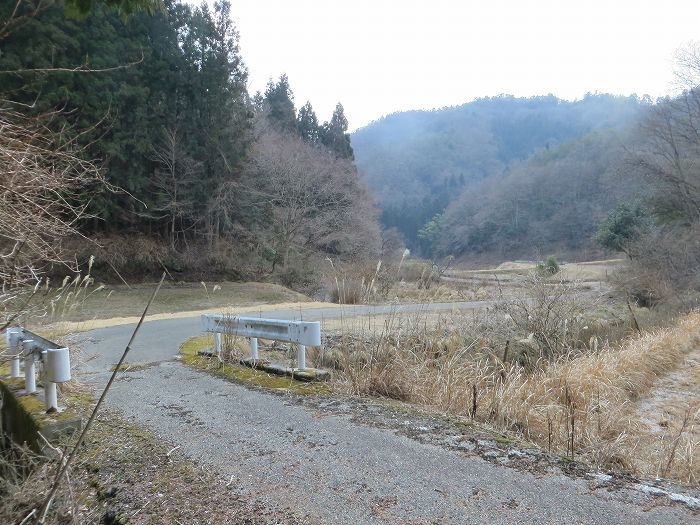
(365, 281)
(582, 401)
(360, 283)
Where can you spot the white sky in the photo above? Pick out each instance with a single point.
(382, 56)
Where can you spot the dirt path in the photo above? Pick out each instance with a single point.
(670, 414)
(673, 395)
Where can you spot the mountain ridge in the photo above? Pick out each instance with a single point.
(418, 162)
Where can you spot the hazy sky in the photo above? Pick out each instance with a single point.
(381, 56)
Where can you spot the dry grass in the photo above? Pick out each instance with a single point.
(443, 292)
(590, 271)
(122, 301)
(583, 403)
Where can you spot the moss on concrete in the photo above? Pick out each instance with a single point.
(18, 422)
(24, 415)
(132, 367)
(190, 349)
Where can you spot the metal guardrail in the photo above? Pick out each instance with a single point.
(301, 333)
(53, 361)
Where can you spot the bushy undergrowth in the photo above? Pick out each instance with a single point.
(550, 266)
(138, 257)
(541, 373)
(663, 267)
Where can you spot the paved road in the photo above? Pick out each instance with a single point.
(159, 340)
(346, 461)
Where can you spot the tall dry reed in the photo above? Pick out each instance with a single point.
(581, 403)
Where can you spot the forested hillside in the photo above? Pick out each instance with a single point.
(159, 102)
(551, 203)
(420, 162)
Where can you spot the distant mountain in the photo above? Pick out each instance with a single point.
(550, 204)
(418, 162)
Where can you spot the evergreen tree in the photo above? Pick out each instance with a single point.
(307, 124)
(178, 70)
(279, 105)
(219, 107)
(123, 7)
(624, 225)
(335, 134)
(258, 102)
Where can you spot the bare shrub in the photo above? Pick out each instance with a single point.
(42, 183)
(663, 267)
(411, 271)
(547, 315)
(423, 273)
(434, 272)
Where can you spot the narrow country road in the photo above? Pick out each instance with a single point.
(340, 460)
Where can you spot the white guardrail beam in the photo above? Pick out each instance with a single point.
(301, 333)
(32, 348)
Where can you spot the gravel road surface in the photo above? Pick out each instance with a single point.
(339, 460)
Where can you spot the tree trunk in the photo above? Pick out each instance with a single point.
(172, 233)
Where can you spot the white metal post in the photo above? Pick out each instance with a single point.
(50, 396)
(14, 366)
(217, 342)
(301, 356)
(254, 348)
(12, 335)
(29, 371)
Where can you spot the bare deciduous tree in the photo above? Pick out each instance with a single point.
(308, 200)
(174, 177)
(668, 156)
(42, 177)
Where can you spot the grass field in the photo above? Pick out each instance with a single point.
(584, 271)
(123, 301)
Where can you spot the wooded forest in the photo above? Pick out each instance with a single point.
(505, 178)
(191, 172)
(441, 159)
(196, 173)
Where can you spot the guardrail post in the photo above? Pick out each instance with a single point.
(50, 396)
(12, 336)
(56, 370)
(217, 343)
(254, 348)
(29, 368)
(301, 356)
(14, 366)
